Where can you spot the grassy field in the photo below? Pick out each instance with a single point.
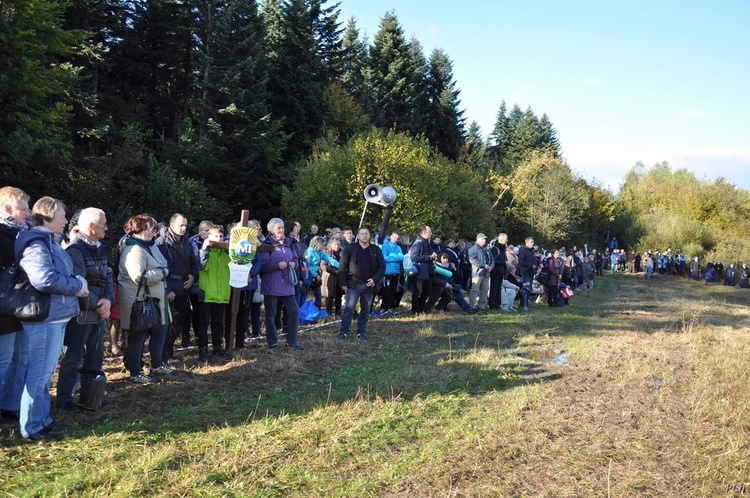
(641, 390)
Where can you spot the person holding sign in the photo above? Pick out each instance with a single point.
(213, 294)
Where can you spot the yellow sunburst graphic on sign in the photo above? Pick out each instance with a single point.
(243, 242)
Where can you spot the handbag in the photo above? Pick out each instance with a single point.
(20, 299)
(145, 313)
(293, 277)
(566, 292)
(412, 271)
(543, 277)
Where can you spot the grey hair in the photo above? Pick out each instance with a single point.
(88, 216)
(274, 222)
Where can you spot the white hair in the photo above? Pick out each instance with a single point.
(274, 222)
(88, 216)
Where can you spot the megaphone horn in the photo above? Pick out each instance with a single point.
(373, 193)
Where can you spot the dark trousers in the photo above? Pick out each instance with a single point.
(496, 288)
(391, 294)
(136, 342)
(420, 295)
(440, 295)
(85, 349)
(289, 303)
(195, 317)
(553, 293)
(211, 314)
(181, 312)
(526, 290)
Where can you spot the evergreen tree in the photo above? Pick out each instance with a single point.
(234, 132)
(37, 81)
(474, 149)
(419, 97)
(445, 125)
(392, 76)
(304, 50)
(355, 72)
(516, 134)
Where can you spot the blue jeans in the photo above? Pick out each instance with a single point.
(43, 342)
(155, 347)
(8, 389)
(12, 376)
(363, 294)
(85, 349)
(290, 303)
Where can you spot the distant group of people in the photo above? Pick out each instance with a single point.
(668, 262)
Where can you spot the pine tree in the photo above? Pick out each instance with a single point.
(37, 80)
(445, 124)
(392, 76)
(354, 69)
(234, 132)
(304, 53)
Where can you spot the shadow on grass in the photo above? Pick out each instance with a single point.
(444, 354)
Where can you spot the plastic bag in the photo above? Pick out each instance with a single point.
(309, 313)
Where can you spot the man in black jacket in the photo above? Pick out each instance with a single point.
(360, 270)
(183, 273)
(528, 265)
(498, 252)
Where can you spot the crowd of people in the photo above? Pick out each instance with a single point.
(93, 291)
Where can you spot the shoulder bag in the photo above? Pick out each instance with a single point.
(20, 299)
(145, 314)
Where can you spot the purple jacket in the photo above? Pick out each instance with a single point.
(275, 281)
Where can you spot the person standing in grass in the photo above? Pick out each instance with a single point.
(528, 264)
(213, 294)
(361, 269)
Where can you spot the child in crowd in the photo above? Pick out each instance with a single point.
(213, 295)
(316, 253)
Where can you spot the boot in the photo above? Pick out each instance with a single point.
(203, 354)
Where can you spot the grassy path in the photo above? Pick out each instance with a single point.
(639, 391)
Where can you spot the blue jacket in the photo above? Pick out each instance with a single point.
(50, 269)
(393, 257)
(313, 261)
(275, 281)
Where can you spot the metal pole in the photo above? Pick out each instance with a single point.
(362, 220)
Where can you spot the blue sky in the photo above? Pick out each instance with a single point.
(621, 82)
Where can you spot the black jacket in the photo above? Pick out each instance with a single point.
(180, 258)
(348, 271)
(527, 262)
(7, 258)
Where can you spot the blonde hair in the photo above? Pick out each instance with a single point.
(45, 209)
(12, 194)
(317, 243)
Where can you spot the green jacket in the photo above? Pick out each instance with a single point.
(214, 277)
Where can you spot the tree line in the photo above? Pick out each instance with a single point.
(210, 106)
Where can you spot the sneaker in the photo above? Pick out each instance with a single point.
(142, 379)
(297, 346)
(361, 338)
(163, 370)
(341, 337)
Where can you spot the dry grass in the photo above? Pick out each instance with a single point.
(650, 400)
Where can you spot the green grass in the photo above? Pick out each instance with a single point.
(448, 405)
